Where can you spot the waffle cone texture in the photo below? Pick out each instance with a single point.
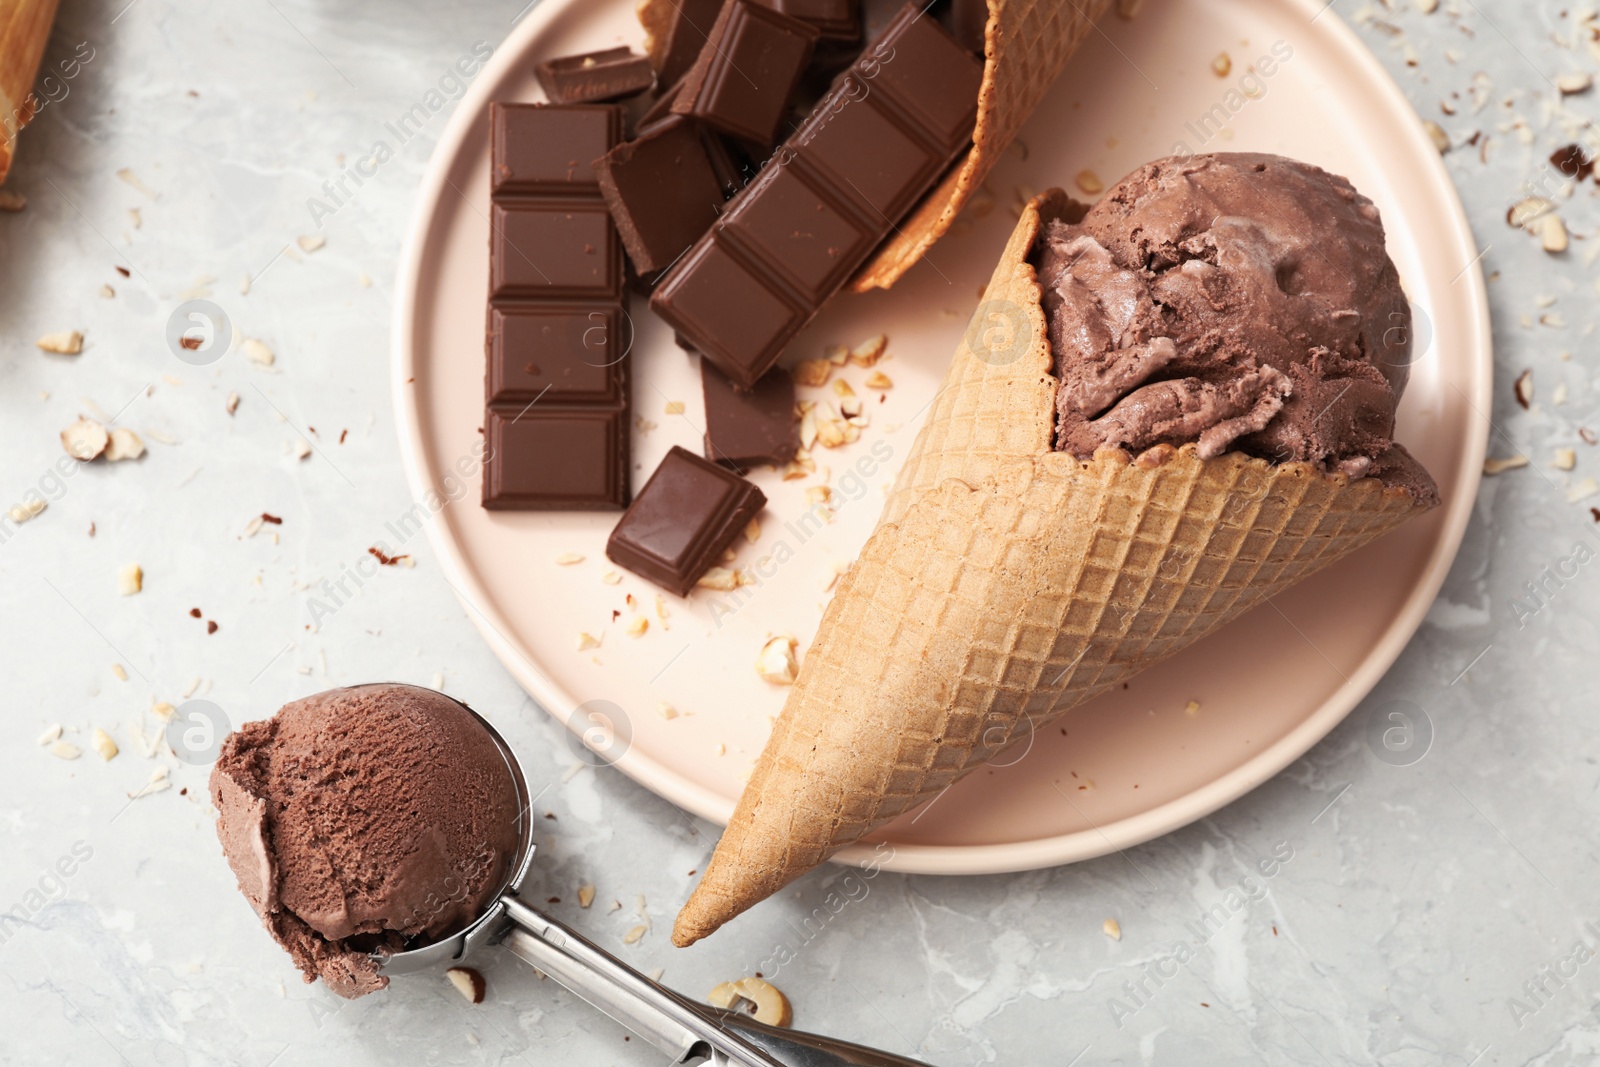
(1005, 584)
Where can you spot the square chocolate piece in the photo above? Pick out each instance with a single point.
(686, 514)
(745, 430)
(550, 459)
(742, 82)
(593, 77)
(836, 20)
(556, 356)
(662, 191)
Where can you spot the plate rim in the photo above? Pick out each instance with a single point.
(1011, 856)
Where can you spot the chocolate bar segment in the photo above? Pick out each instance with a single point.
(866, 155)
(662, 191)
(745, 430)
(834, 20)
(595, 77)
(686, 514)
(678, 30)
(747, 71)
(556, 424)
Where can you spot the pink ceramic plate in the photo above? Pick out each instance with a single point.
(1270, 686)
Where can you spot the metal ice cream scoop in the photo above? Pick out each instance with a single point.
(687, 1031)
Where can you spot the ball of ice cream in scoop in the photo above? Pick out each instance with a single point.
(365, 821)
(1235, 301)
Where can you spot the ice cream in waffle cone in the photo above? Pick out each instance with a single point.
(1008, 582)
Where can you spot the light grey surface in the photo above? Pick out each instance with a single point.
(1406, 906)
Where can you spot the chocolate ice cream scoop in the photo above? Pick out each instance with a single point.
(384, 829)
(1238, 301)
(362, 820)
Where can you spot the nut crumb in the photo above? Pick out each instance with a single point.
(62, 343)
(65, 750)
(638, 625)
(612, 577)
(1113, 929)
(51, 734)
(812, 372)
(124, 444)
(752, 531)
(776, 663)
(120, 671)
(1222, 65)
(468, 982)
(567, 559)
(720, 578)
(1192, 708)
(871, 350)
(766, 1003)
(130, 579)
(1523, 389)
(632, 936)
(1090, 182)
(1437, 134)
(587, 641)
(85, 439)
(11, 200)
(231, 404)
(311, 242)
(1565, 459)
(585, 895)
(879, 380)
(258, 353)
(103, 744)
(1494, 465)
(666, 711)
(28, 509)
(674, 407)
(1572, 84)
(1552, 234)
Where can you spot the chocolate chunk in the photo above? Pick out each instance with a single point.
(662, 191)
(678, 40)
(835, 20)
(556, 427)
(686, 514)
(967, 20)
(866, 155)
(593, 77)
(745, 430)
(741, 83)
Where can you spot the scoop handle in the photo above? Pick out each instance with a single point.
(686, 1031)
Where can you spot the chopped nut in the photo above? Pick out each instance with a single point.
(302, 448)
(258, 353)
(1565, 460)
(585, 895)
(1522, 388)
(776, 663)
(1113, 929)
(661, 611)
(85, 439)
(62, 343)
(120, 671)
(1222, 65)
(1090, 182)
(11, 200)
(232, 403)
(632, 936)
(878, 380)
(124, 444)
(719, 578)
(1427, 7)
(819, 494)
(28, 509)
(808, 428)
(869, 351)
(638, 625)
(103, 744)
(1583, 490)
(612, 577)
(1553, 234)
(65, 750)
(767, 1004)
(52, 733)
(850, 408)
(1572, 84)
(842, 388)
(666, 711)
(130, 579)
(838, 355)
(468, 982)
(310, 242)
(1558, 395)
(1527, 210)
(1493, 465)
(674, 407)
(587, 641)
(812, 372)
(1436, 134)
(567, 559)
(752, 531)
(163, 710)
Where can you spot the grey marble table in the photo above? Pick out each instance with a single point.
(1350, 911)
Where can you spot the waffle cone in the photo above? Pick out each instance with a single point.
(1005, 584)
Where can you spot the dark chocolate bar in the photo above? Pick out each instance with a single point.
(686, 514)
(867, 154)
(835, 20)
(742, 81)
(662, 191)
(680, 37)
(745, 430)
(557, 385)
(595, 77)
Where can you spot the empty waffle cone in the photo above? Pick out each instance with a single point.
(1005, 584)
